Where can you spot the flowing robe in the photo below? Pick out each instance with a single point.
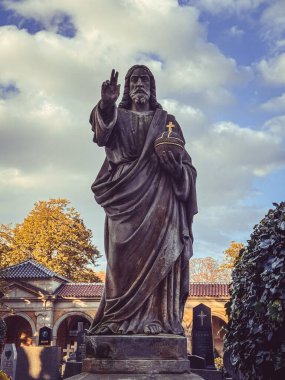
(148, 238)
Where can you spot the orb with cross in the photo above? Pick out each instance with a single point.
(169, 141)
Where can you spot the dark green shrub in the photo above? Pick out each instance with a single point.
(256, 329)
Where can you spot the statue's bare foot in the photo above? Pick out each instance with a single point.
(152, 328)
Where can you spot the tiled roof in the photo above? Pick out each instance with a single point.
(95, 290)
(198, 289)
(81, 290)
(29, 269)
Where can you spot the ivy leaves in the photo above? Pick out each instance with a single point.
(256, 335)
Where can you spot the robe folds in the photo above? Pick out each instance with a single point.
(148, 235)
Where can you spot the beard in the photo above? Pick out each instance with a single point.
(139, 96)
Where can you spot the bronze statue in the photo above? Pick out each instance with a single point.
(148, 194)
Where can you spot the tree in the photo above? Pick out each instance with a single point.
(209, 270)
(102, 275)
(55, 235)
(231, 254)
(255, 339)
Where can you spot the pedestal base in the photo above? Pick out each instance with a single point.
(136, 357)
(136, 366)
(91, 376)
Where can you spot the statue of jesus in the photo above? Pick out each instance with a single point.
(149, 201)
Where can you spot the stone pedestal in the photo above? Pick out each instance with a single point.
(90, 376)
(139, 354)
(136, 357)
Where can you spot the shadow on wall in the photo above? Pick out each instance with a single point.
(34, 363)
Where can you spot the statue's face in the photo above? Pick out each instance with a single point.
(140, 86)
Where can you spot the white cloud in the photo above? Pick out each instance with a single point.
(229, 157)
(273, 22)
(13, 177)
(273, 70)
(276, 104)
(276, 126)
(236, 32)
(189, 63)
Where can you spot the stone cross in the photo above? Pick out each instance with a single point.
(202, 316)
(68, 350)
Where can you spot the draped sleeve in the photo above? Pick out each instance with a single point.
(102, 126)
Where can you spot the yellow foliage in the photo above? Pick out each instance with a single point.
(219, 363)
(231, 254)
(102, 275)
(55, 235)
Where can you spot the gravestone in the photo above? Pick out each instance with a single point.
(9, 360)
(196, 362)
(45, 335)
(81, 346)
(202, 335)
(74, 367)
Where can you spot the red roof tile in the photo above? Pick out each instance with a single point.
(95, 290)
(198, 289)
(81, 290)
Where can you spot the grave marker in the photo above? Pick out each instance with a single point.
(45, 336)
(202, 335)
(9, 360)
(81, 346)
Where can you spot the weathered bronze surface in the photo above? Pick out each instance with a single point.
(149, 201)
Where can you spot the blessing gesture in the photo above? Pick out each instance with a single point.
(110, 90)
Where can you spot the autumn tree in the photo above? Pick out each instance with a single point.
(102, 275)
(231, 254)
(54, 234)
(209, 270)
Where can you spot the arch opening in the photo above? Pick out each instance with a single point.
(219, 330)
(68, 329)
(19, 331)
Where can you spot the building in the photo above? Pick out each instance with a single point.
(38, 297)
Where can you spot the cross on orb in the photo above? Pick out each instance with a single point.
(170, 126)
(202, 316)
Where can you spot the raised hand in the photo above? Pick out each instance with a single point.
(110, 90)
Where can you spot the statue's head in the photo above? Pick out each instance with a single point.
(139, 88)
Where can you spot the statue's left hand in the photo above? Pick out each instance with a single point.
(171, 165)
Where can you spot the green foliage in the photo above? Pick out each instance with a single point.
(55, 235)
(256, 329)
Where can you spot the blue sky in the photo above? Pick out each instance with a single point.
(219, 68)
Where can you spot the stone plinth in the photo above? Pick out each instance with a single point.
(90, 376)
(138, 354)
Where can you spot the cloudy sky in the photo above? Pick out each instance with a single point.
(219, 67)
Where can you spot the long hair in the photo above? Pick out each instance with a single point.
(126, 101)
